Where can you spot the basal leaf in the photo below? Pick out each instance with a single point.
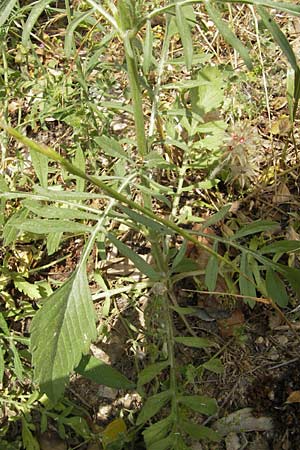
(185, 36)
(147, 374)
(96, 370)
(199, 431)
(44, 226)
(199, 403)
(276, 288)
(157, 431)
(61, 331)
(152, 406)
(195, 342)
(138, 261)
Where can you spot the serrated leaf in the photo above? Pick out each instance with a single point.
(152, 406)
(61, 331)
(147, 374)
(29, 441)
(226, 32)
(156, 432)
(40, 165)
(276, 288)
(199, 403)
(214, 365)
(195, 342)
(246, 283)
(281, 247)
(199, 431)
(258, 226)
(29, 289)
(139, 262)
(96, 370)
(212, 270)
(35, 13)
(6, 8)
(185, 36)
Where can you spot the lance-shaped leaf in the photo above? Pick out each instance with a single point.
(61, 331)
(185, 36)
(226, 32)
(6, 8)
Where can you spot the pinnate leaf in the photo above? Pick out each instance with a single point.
(61, 331)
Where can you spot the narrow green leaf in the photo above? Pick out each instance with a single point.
(148, 223)
(96, 370)
(199, 403)
(199, 431)
(3, 325)
(147, 374)
(228, 35)
(281, 247)
(258, 226)
(180, 255)
(79, 162)
(293, 276)
(40, 165)
(276, 288)
(111, 147)
(55, 212)
(6, 8)
(2, 363)
(185, 36)
(152, 406)
(217, 217)
(53, 242)
(148, 46)
(195, 342)
(10, 232)
(44, 226)
(212, 270)
(184, 310)
(18, 367)
(61, 331)
(214, 365)
(246, 283)
(164, 444)
(156, 432)
(29, 441)
(71, 29)
(138, 261)
(278, 37)
(35, 13)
